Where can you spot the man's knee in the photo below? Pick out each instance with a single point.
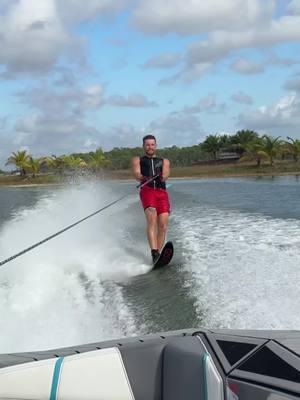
(151, 216)
(162, 226)
(150, 210)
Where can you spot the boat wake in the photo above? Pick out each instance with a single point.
(67, 290)
(243, 269)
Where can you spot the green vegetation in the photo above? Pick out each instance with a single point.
(20, 159)
(245, 153)
(13, 180)
(292, 147)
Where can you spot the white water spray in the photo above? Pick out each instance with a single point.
(243, 268)
(65, 292)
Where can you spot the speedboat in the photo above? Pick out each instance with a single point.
(192, 364)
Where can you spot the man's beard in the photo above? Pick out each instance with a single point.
(150, 153)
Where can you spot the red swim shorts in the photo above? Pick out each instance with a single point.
(157, 198)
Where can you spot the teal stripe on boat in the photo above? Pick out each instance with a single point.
(55, 379)
(204, 363)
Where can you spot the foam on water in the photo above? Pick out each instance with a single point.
(243, 268)
(65, 292)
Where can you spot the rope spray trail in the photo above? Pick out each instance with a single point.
(60, 232)
(72, 225)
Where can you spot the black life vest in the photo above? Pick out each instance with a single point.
(151, 166)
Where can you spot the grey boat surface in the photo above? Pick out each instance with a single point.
(193, 364)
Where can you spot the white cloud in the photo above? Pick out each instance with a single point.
(64, 102)
(294, 7)
(34, 35)
(42, 134)
(55, 134)
(274, 59)
(134, 100)
(203, 54)
(38, 36)
(4, 140)
(64, 76)
(242, 97)
(121, 135)
(74, 11)
(282, 117)
(293, 84)
(5, 4)
(194, 16)
(57, 123)
(166, 60)
(3, 122)
(92, 98)
(207, 104)
(188, 74)
(221, 43)
(77, 100)
(244, 66)
(177, 128)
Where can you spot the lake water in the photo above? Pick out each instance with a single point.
(236, 263)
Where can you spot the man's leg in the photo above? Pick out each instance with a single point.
(162, 229)
(151, 216)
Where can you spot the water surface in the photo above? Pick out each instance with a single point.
(236, 263)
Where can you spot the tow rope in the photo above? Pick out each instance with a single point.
(60, 232)
(72, 225)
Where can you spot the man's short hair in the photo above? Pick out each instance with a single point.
(148, 137)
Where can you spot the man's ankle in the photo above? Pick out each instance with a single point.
(155, 254)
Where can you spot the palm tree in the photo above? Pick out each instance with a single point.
(33, 166)
(253, 151)
(271, 147)
(242, 139)
(293, 147)
(97, 160)
(20, 160)
(212, 144)
(55, 163)
(74, 162)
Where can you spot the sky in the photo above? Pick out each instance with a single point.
(75, 76)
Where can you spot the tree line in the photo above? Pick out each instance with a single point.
(248, 145)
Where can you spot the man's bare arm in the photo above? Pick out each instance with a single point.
(136, 168)
(166, 169)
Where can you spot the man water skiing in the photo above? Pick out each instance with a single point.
(154, 196)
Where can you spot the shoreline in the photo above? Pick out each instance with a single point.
(216, 175)
(22, 185)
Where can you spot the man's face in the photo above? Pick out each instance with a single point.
(150, 147)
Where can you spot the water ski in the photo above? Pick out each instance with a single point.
(165, 256)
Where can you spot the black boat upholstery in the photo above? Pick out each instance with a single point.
(143, 363)
(171, 370)
(178, 365)
(183, 370)
(158, 368)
